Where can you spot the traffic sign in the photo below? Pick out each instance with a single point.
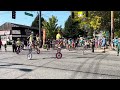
(29, 14)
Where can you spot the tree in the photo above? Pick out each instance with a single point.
(51, 27)
(71, 29)
(35, 23)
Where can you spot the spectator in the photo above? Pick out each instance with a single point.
(25, 43)
(93, 45)
(115, 42)
(118, 47)
(0, 44)
(5, 45)
(104, 43)
(14, 46)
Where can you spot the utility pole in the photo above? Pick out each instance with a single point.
(40, 26)
(112, 28)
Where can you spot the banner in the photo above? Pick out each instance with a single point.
(44, 36)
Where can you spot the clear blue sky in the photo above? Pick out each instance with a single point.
(21, 18)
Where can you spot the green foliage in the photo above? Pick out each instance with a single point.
(117, 33)
(71, 29)
(35, 23)
(51, 27)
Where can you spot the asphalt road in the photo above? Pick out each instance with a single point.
(73, 65)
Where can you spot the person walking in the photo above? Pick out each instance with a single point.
(93, 45)
(118, 47)
(104, 43)
(14, 46)
(115, 42)
(5, 45)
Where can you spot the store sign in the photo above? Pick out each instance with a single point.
(16, 32)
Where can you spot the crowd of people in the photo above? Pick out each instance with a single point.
(67, 43)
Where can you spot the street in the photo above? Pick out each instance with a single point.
(73, 65)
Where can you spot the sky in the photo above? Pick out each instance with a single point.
(21, 18)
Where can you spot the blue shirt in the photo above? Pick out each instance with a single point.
(115, 41)
(103, 41)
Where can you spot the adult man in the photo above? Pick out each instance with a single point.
(115, 42)
(31, 39)
(18, 44)
(104, 43)
(37, 40)
(118, 47)
(93, 45)
(58, 36)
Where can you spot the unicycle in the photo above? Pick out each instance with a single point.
(18, 50)
(38, 51)
(58, 50)
(29, 56)
(59, 55)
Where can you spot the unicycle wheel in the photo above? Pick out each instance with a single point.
(38, 51)
(58, 55)
(29, 56)
(17, 52)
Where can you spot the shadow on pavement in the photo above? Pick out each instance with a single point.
(85, 57)
(26, 70)
(5, 65)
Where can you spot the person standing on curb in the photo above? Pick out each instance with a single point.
(103, 43)
(0, 44)
(118, 47)
(93, 45)
(14, 46)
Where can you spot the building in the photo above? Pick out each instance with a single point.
(12, 31)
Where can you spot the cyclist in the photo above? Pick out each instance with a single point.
(18, 43)
(37, 40)
(31, 39)
(58, 36)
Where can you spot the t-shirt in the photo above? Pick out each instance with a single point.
(18, 43)
(58, 36)
(31, 38)
(116, 41)
(37, 38)
(103, 40)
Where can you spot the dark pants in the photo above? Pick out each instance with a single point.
(118, 50)
(14, 48)
(93, 46)
(0, 47)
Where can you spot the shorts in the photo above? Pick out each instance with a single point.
(103, 45)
